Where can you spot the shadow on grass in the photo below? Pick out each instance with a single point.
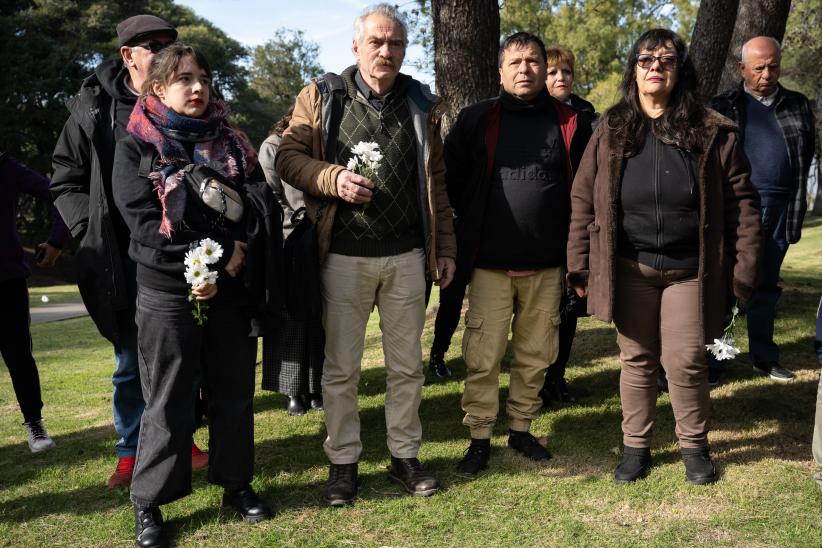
(79, 502)
(18, 465)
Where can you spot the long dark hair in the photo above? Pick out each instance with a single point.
(681, 122)
(282, 124)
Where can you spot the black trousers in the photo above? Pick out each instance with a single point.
(171, 350)
(15, 346)
(448, 314)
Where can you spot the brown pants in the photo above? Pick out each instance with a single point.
(657, 316)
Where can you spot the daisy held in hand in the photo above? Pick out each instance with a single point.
(723, 348)
(198, 274)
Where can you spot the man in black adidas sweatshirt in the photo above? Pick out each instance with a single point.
(508, 171)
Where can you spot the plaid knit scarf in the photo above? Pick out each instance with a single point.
(216, 144)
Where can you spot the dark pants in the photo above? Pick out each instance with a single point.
(567, 330)
(761, 309)
(15, 346)
(448, 314)
(172, 348)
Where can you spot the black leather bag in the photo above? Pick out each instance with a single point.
(302, 269)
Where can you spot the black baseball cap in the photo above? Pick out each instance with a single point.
(138, 26)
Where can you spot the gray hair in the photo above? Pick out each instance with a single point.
(743, 51)
(386, 10)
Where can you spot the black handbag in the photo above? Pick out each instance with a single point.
(303, 298)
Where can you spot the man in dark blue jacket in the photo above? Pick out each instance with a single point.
(776, 126)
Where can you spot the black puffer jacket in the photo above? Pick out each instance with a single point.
(81, 190)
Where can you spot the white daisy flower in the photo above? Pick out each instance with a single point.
(211, 250)
(196, 275)
(723, 349)
(194, 257)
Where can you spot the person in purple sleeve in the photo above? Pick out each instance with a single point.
(15, 335)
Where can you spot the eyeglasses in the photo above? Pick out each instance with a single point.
(646, 61)
(153, 46)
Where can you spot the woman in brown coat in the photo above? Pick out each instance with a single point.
(664, 235)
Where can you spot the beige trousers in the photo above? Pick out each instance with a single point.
(535, 343)
(657, 316)
(352, 286)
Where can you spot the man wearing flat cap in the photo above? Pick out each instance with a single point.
(81, 189)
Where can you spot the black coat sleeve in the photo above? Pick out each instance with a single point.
(457, 166)
(141, 210)
(70, 182)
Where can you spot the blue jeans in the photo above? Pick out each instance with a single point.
(762, 306)
(127, 399)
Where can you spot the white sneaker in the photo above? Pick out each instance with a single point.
(39, 439)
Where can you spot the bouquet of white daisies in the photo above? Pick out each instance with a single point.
(365, 161)
(207, 252)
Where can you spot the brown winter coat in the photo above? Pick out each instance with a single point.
(299, 161)
(729, 239)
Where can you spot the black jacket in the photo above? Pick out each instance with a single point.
(160, 259)
(81, 190)
(469, 150)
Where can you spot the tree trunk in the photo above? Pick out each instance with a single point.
(712, 33)
(755, 18)
(466, 43)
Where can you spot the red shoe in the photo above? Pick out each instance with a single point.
(199, 459)
(122, 475)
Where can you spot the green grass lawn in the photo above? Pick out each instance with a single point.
(761, 434)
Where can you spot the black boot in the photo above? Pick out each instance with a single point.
(437, 366)
(296, 406)
(247, 503)
(527, 445)
(341, 487)
(476, 457)
(148, 527)
(316, 401)
(546, 393)
(636, 461)
(699, 468)
(561, 392)
(415, 479)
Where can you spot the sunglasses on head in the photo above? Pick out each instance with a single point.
(646, 61)
(153, 46)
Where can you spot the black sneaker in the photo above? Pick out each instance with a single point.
(527, 445)
(774, 371)
(636, 461)
(476, 457)
(341, 487)
(699, 468)
(437, 366)
(410, 474)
